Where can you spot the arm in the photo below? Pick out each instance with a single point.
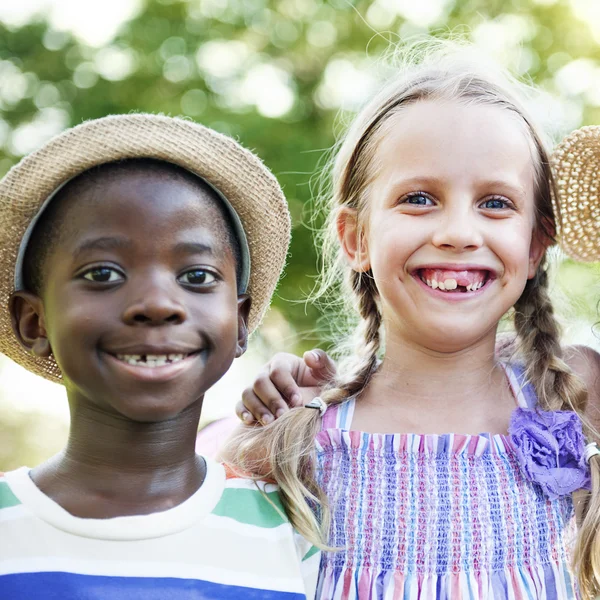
(585, 363)
(285, 381)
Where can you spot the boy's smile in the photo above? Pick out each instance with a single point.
(140, 299)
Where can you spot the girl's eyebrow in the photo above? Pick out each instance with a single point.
(427, 180)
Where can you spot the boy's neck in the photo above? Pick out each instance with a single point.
(112, 466)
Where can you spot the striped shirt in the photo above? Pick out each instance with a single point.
(226, 541)
(438, 517)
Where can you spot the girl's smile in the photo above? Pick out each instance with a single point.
(455, 282)
(450, 222)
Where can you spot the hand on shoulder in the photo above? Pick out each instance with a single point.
(585, 362)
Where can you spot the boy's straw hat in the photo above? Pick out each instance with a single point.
(576, 165)
(240, 177)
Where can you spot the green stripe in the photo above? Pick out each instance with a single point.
(7, 498)
(310, 553)
(251, 507)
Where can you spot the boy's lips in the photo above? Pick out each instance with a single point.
(156, 365)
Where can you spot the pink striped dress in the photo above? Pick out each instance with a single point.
(438, 516)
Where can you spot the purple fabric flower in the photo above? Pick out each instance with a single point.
(550, 448)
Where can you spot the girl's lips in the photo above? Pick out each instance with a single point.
(157, 373)
(451, 296)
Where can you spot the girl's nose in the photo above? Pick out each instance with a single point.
(458, 231)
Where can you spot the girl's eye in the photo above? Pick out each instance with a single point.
(417, 199)
(197, 277)
(103, 275)
(495, 204)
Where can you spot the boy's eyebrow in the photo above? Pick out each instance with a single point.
(194, 248)
(102, 243)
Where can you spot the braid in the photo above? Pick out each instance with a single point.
(284, 450)
(559, 389)
(556, 386)
(356, 372)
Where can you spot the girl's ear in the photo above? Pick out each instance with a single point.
(244, 303)
(352, 239)
(540, 242)
(28, 323)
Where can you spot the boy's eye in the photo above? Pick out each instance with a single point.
(495, 204)
(197, 277)
(417, 199)
(103, 275)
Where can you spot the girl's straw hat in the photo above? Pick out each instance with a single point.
(248, 189)
(576, 164)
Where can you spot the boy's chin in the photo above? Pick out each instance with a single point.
(156, 410)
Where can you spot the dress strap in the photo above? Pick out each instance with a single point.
(339, 416)
(521, 387)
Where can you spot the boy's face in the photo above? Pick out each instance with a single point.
(139, 304)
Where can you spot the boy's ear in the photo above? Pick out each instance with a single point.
(244, 303)
(28, 323)
(352, 239)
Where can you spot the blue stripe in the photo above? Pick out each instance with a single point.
(71, 586)
(389, 550)
(444, 504)
(497, 561)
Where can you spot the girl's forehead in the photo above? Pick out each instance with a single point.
(453, 141)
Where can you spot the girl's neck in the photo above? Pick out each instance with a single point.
(112, 466)
(417, 390)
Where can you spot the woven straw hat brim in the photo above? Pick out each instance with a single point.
(237, 173)
(576, 166)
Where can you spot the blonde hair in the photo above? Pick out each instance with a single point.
(285, 449)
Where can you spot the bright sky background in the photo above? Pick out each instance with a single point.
(94, 21)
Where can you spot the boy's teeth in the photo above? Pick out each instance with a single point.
(150, 360)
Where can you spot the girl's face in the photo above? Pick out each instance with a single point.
(448, 231)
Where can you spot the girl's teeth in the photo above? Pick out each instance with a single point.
(450, 284)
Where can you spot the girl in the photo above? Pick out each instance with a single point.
(441, 214)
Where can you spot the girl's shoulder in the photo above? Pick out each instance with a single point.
(585, 362)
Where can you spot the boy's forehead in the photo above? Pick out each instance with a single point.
(158, 190)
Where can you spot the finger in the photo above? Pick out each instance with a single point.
(283, 380)
(270, 396)
(243, 414)
(322, 367)
(256, 408)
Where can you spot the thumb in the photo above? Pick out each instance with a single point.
(322, 367)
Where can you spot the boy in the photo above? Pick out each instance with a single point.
(138, 252)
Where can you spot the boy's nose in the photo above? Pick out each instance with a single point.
(156, 306)
(458, 231)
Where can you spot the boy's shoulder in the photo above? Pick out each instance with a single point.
(257, 505)
(7, 497)
(249, 501)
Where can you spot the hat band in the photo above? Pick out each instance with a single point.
(236, 223)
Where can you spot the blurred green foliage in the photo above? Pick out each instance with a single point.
(218, 61)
